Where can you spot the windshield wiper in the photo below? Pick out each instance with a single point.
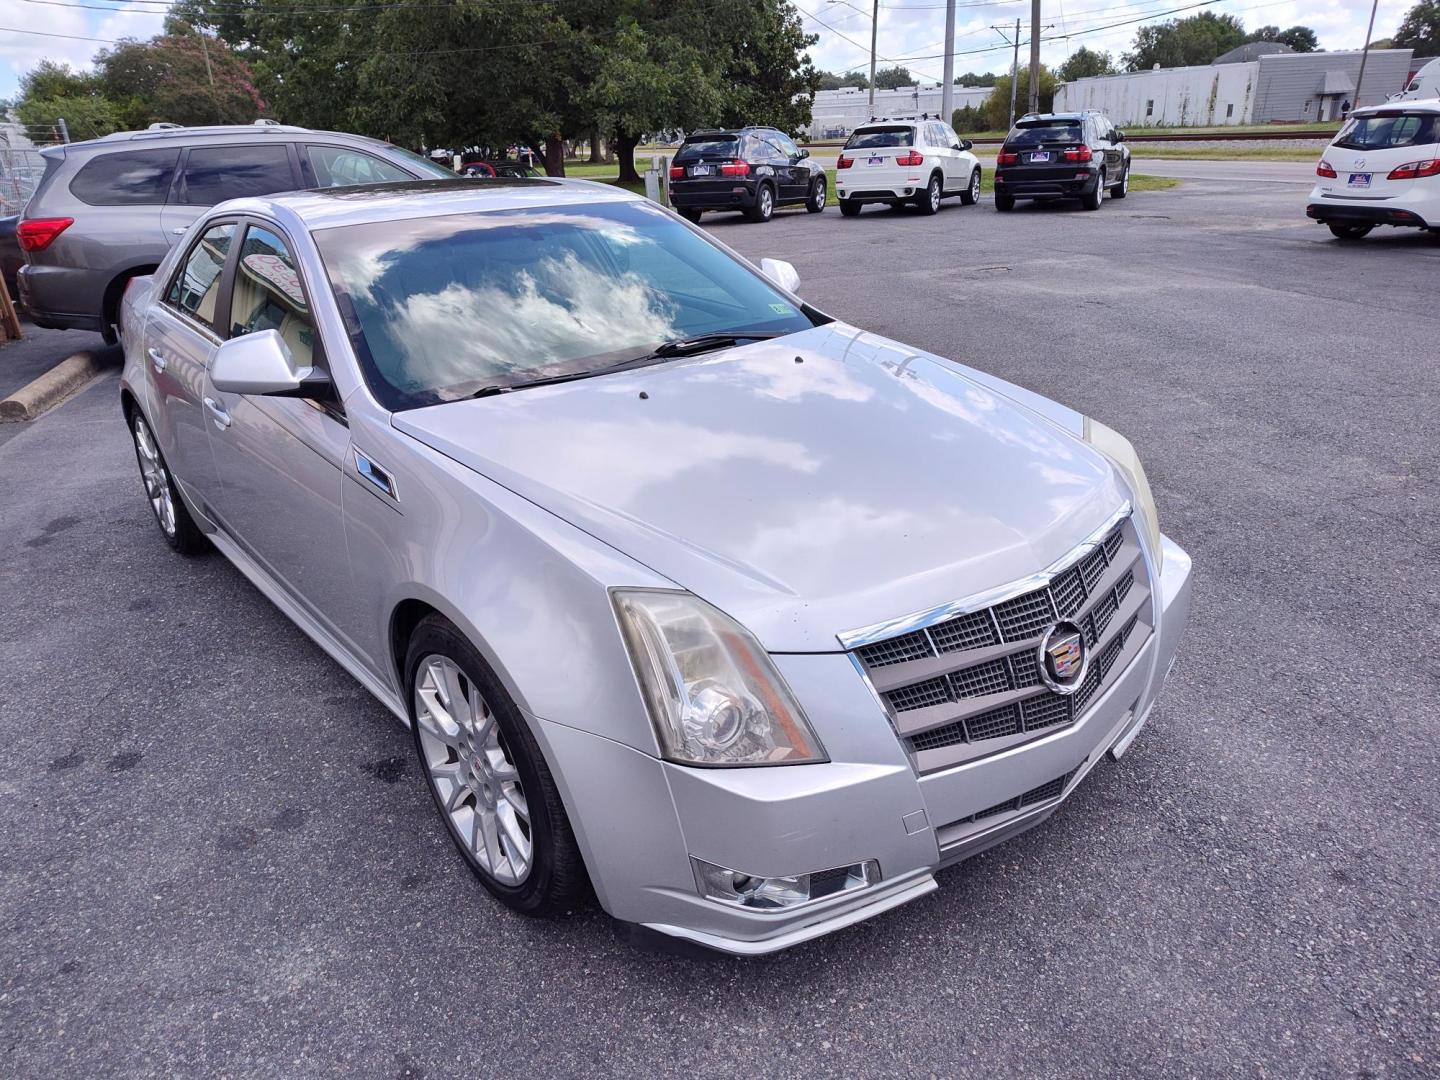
(677, 347)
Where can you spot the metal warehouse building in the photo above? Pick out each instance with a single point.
(836, 113)
(1278, 87)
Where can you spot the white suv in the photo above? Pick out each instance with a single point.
(1382, 169)
(905, 159)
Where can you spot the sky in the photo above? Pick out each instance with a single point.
(911, 32)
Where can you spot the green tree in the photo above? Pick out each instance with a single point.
(997, 106)
(1084, 64)
(51, 92)
(1420, 29)
(178, 77)
(1299, 38)
(1196, 40)
(969, 118)
(972, 79)
(892, 78)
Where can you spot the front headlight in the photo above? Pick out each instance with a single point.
(1118, 449)
(713, 694)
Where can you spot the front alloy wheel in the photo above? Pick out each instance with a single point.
(816, 202)
(971, 195)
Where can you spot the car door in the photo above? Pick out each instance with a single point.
(212, 174)
(942, 146)
(182, 331)
(1105, 144)
(787, 165)
(280, 458)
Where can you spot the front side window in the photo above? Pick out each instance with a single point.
(1381, 131)
(126, 178)
(439, 308)
(787, 146)
(267, 295)
(339, 166)
(875, 138)
(197, 283)
(216, 173)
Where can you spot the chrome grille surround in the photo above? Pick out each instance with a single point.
(963, 681)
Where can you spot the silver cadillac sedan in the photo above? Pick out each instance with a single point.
(750, 618)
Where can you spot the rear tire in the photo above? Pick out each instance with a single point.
(690, 215)
(764, 207)
(1091, 201)
(929, 200)
(971, 195)
(171, 513)
(849, 208)
(1004, 203)
(554, 877)
(1120, 190)
(816, 202)
(1349, 232)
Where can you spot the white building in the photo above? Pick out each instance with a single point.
(836, 113)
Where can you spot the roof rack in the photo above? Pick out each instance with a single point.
(904, 116)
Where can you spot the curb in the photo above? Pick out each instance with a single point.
(51, 388)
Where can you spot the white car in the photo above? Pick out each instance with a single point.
(906, 159)
(1382, 169)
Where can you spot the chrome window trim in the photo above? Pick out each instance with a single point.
(922, 620)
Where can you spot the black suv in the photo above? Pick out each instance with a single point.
(752, 169)
(1062, 156)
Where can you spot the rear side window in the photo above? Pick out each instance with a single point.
(216, 173)
(339, 166)
(875, 137)
(694, 149)
(126, 178)
(197, 282)
(1389, 129)
(1046, 131)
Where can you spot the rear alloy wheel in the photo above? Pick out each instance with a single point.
(1349, 232)
(971, 195)
(849, 208)
(690, 215)
(171, 514)
(816, 202)
(489, 780)
(1004, 203)
(764, 206)
(929, 199)
(1091, 201)
(1120, 190)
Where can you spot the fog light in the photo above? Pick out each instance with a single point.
(728, 886)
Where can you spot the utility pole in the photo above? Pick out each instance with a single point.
(1015, 71)
(875, 29)
(947, 94)
(1360, 81)
(1035, 55)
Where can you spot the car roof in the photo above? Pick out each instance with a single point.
(330, 208)
(158, 133)
(1430, 105)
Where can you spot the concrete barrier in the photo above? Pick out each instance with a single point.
(44, 393)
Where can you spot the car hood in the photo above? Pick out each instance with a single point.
(809, 485)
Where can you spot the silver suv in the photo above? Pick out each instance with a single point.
(110, 209)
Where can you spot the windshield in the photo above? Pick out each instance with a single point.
(440, 308)
(1381, 131)
(871, 138)
(720, 146)
(1045, 131)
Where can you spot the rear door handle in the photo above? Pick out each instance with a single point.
(218, 415)
(158, 360)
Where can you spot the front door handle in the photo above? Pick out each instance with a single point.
(157, 359)
(218, 415)
(180, 231)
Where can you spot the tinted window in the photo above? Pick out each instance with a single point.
(1389, 129)
(126, 178)
(267, 295)
(216, 173)
(719, 146)
(871, 138)
(339, 166)
(441, 307)
(198, 280)
(1046, 131)
(787, 145)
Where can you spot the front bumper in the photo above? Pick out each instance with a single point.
(1049, 184)
(639, 820)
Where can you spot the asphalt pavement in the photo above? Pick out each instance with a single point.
(218, 858)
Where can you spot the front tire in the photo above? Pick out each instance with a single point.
(971, 195)
(849, 208)
(487, 776)
(764, 207)
(1349, 232)
(171, 513)
(1091, 200)
(816, 202)
(1120, 190)
(929, 200)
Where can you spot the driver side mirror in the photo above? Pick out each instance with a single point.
(260, 363)
(802, 154)
(1119, 136)
(781, 273)
(965, 144)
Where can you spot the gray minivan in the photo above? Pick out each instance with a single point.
(109, 209)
